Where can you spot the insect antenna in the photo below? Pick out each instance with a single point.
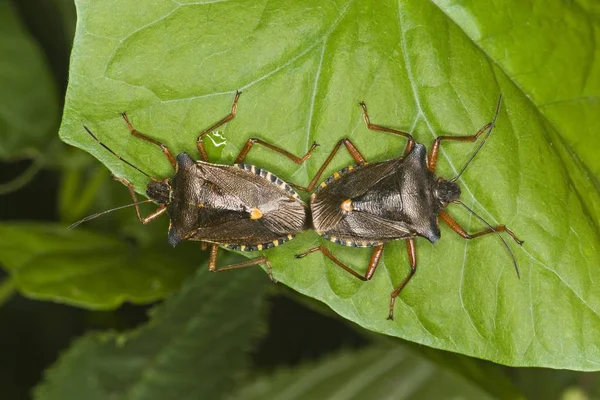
(115, 154)
(506, 246)
(93, 216)
(492, 125)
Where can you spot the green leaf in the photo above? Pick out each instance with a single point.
(28, 99)
(89, 269)
(303, 67)
(558, 72)
(373, 373)
(495, 379)
(193, 347)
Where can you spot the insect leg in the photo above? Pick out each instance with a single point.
(351, 149)
(412, 258)
(140, 135)
(434, 152)
(451, 222)
(226, 119)
(375, 257)
(144, 220)
(212, 263)
(298, 160)
(116, 155)
(373, 127)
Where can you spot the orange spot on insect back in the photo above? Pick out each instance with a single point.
(255, 213)
(347, 205)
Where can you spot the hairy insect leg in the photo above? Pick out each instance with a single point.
(412, 259)
(358, 158)
(144, 220)
(140, 135)
(373, 263)
(252, 141)
(212, 263)
(226, 119)
(435, 148)
(373, 127)
(451, 222)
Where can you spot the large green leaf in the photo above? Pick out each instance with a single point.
(193, 347)
(379, 372)
(90, 269)
(28, 99)
(303, 67)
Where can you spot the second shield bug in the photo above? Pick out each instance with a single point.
(368, 205)
(241, 207)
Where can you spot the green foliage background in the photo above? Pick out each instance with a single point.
(429, 68)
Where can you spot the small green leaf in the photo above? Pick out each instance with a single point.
(193, 347)
(89, 269)
(379, 372)
(28, 99)
(303, 67)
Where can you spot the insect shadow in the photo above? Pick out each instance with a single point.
(240, 207)
(368, 205)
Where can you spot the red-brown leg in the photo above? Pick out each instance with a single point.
(140, 135)
(375, 257)
(451, 222)
(144, 220)
(212, 263)
(490, 229)
(411, 141)
(412, 259)
(351, 149)
(252, 141)
(227, 118)
(435, 148)
(433, 153)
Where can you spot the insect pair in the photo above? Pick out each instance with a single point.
(246, 208)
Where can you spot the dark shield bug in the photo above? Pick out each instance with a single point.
(368, 205)
(241, 207)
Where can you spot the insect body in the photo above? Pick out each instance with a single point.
(368, 205)
(239, 206)
(221, 204)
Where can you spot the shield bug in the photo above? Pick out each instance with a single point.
(240, 207)
(368, 205)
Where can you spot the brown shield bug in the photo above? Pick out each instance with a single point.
(368, 205)
(240, 207)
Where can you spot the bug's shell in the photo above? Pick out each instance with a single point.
(388, 200)
(217, 204)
